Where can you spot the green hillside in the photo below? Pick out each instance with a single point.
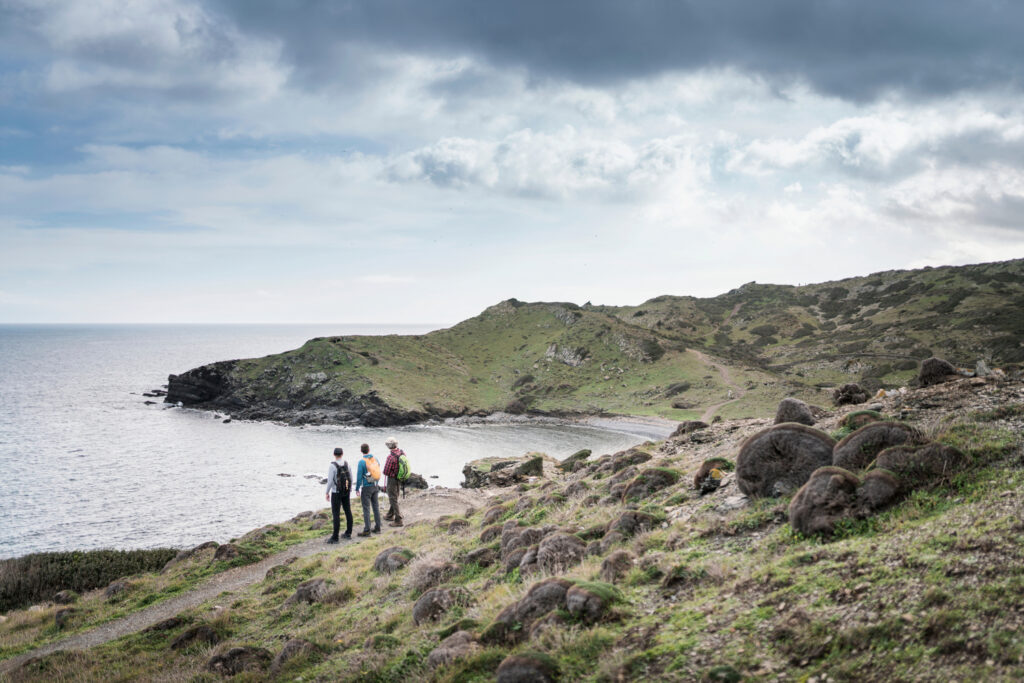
(677, 357)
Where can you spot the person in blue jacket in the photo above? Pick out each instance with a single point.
(366, 487)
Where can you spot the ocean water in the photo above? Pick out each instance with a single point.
(85, 463)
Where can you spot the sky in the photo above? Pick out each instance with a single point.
(401, 161)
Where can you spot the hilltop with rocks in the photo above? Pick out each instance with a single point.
(868, 541)
(683, 358)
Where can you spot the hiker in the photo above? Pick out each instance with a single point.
(391, 471)
(367, 476)
(339, 488)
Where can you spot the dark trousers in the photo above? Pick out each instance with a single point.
(393, 512)
(341, 501)
(368, 496)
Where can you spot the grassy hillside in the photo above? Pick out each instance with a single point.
(671, 356)
(716, 588)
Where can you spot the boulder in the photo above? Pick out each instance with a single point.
(63, 617)
(623, 476)
(528, 667)
(117, 588)
(483, 557)
(429, 573)
(577, 489)
(559, 551)
(857, 450)
(794, 410)
(616, 565)
(541, 598)
(829, 496)
(296, 647)
(631, 522)
(528, 563)
(415, 481)
(860, 418)
(922, 466)
(550, 622)
(512, 559)
(196, 635)
(688, 427)
(457, 526)
(624, 459)
(648, 482)
(392, 559)
(524, 504)
(312, 591)
(502, 471)
(66, 597)
(574, 461)
(849, 394)
(521, 538)
(239, 659)
(935, 371)
(458, 645)
(780, 459)
(189, 553)
(877, 490)
(490, 533)
(435, 602)
(590, 601)
(228, 551)
(494, 514)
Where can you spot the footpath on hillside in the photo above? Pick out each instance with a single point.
(423, 506)
(726, 376)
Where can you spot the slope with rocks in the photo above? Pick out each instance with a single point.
(563, 359)
(628, 567)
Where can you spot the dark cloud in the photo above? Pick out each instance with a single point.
(855, 49)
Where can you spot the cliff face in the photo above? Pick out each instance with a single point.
(745, 350)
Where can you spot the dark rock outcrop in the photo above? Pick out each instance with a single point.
(778, 460)
(935, 371)
(228, 551)
(857, 450)
(849, 394)
(794, 410)
(687, 427)
(921, 466)
(312, 591)
(65, 597)
(201, 385)
(589, 602)
(416, 481)
(648, 482)
(574, 461)
(528, 667)
(828, 497)
(196, 635)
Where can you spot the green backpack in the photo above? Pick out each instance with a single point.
(403, 467)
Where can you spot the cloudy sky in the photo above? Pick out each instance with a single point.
(408, 161)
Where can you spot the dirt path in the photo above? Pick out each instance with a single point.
(423, 506)
(735, 389)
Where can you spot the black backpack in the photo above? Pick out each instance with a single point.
(342, 478)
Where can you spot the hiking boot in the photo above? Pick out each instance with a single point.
(397, 522)
(347, 537)
(331, 540)
(388, 518)
(363, 534)
(376, 530)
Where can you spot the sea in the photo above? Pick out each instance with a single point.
(88, 462)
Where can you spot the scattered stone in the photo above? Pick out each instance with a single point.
(392, 559)
(435, 602)
(458, 645)
(616, 565)
(239, 659)
(918, 466)
(165, 625)
(65, 597)
(688, 427)
(935, 371)
(228, 551)
(416, 481)
(828, 497)
(849, 394)
(294, 648)
(63, 616)
(631, 522)
(483, 557)
(559, 551)
(574, 461)
(528, 667)
(577, 488)
(432, 573)
(857, 450)
(201, 635)
(457, 525)
(493, 514)
(780, 459)
(794, 410)
(860, 418)
(648, 482)
(116, 588)
(312, 591)
(590, 601)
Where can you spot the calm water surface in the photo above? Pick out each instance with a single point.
(85, 463)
